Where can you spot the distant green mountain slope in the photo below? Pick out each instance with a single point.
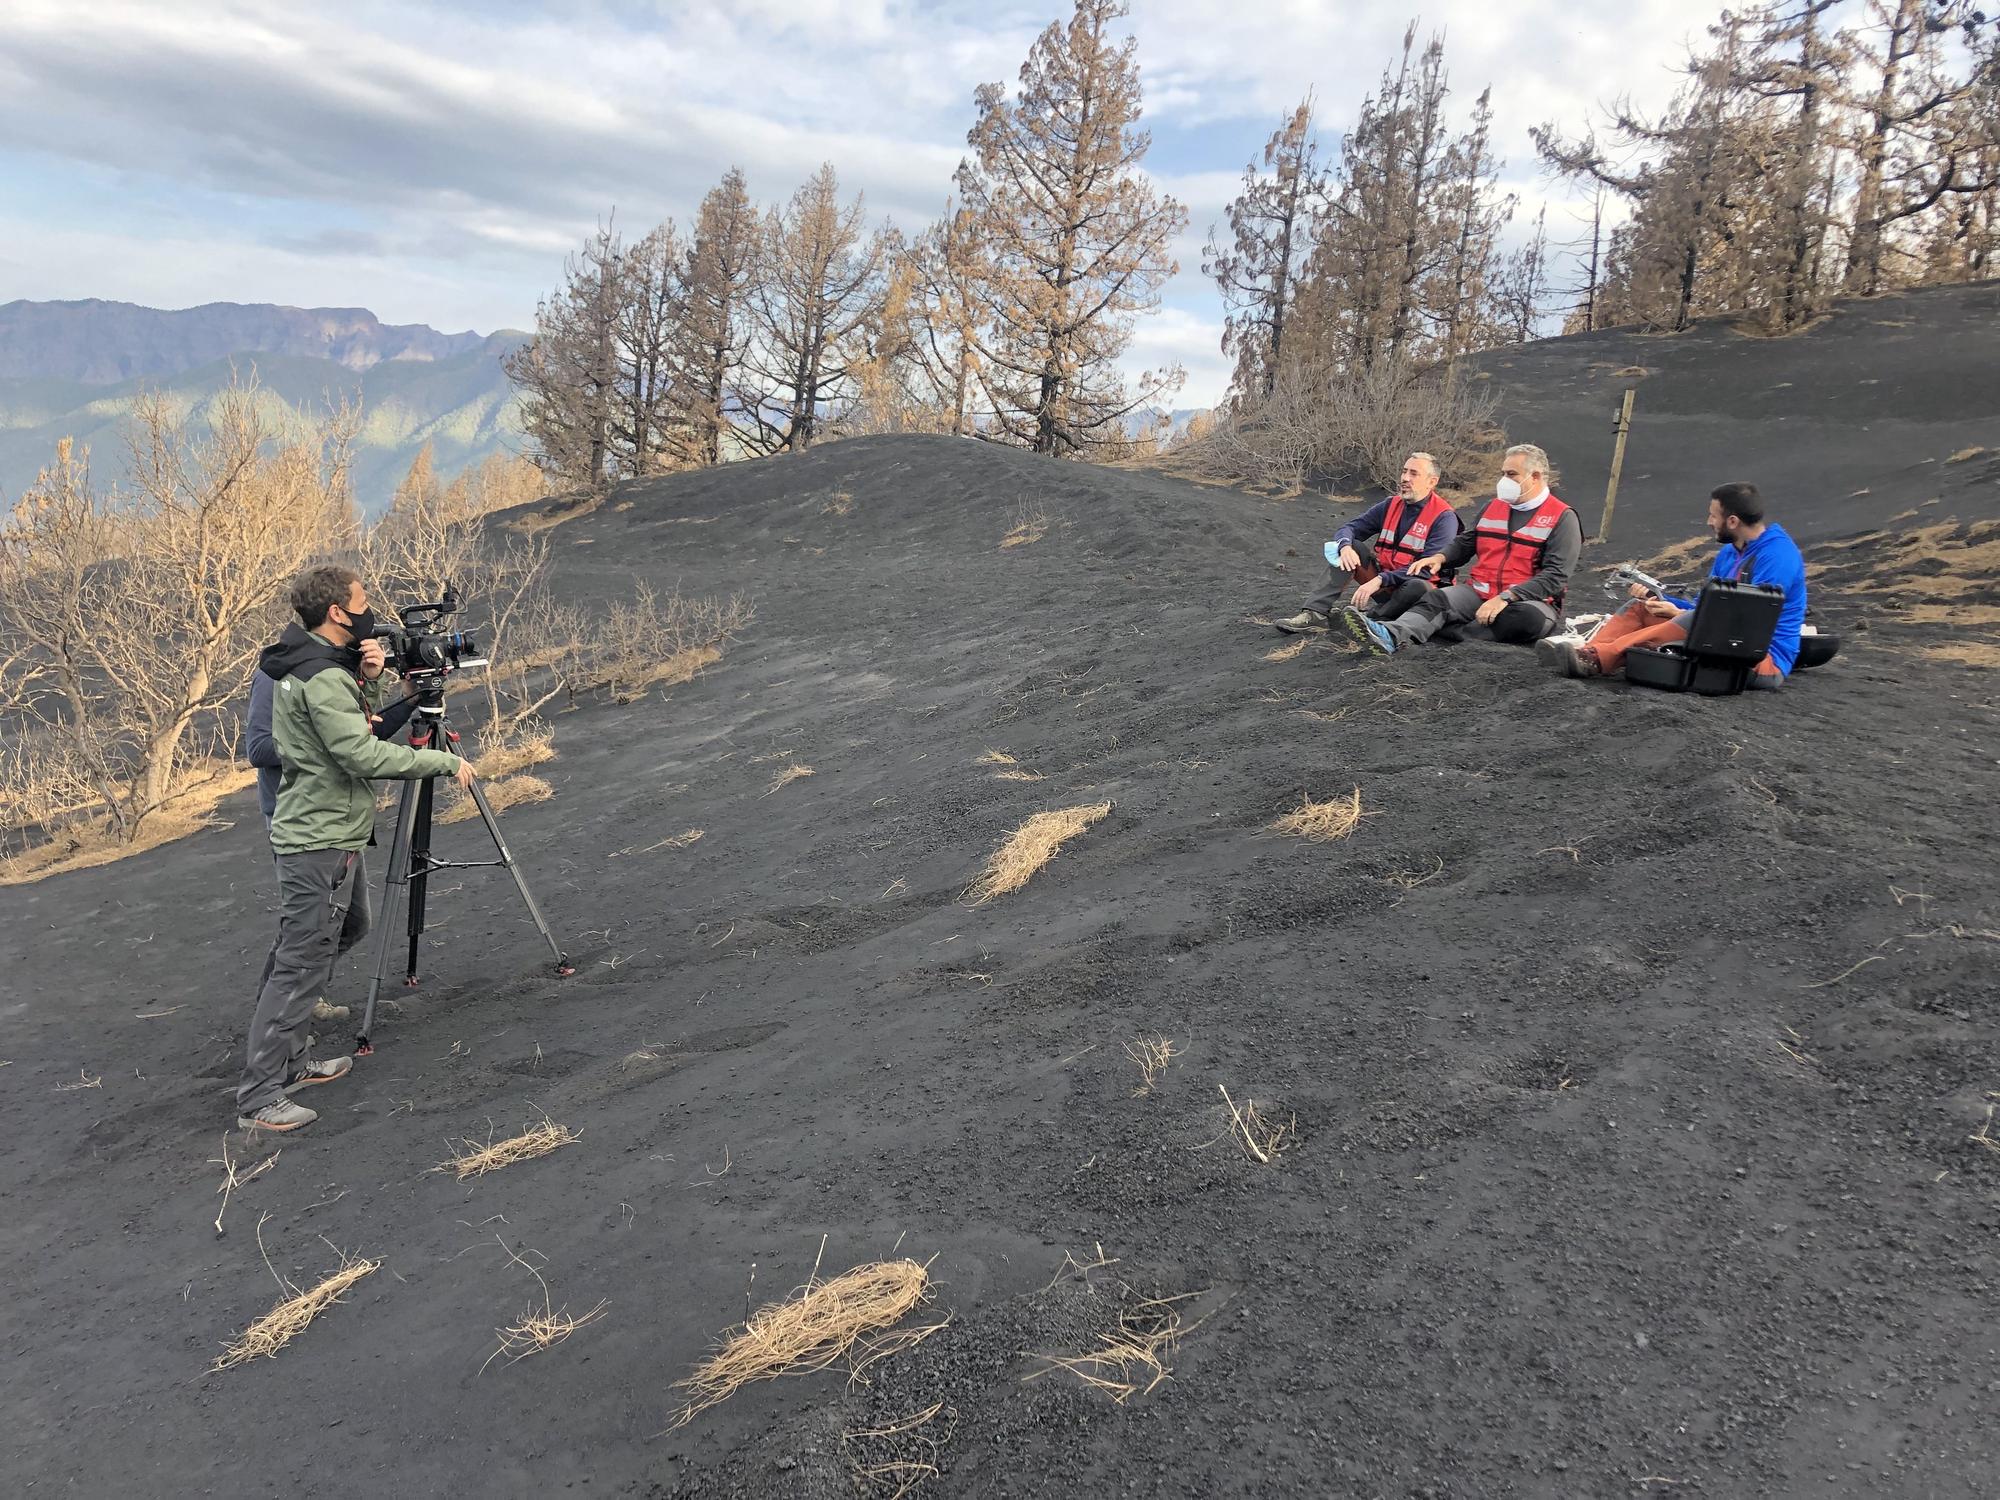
(453, 395)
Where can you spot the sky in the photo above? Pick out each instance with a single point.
(434, 160)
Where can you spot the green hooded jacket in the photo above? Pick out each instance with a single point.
(319, 719)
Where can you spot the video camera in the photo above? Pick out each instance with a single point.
(422, 653)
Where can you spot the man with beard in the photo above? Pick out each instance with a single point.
(1754, 550)
(1371, 554)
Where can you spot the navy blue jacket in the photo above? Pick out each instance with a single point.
(1367, 525)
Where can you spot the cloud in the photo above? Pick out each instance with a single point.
(449, 150)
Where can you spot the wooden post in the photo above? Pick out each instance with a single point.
(1621, 426)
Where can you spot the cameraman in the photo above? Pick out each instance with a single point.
(263, 755)
(325, 671)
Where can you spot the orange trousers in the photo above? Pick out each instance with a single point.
(1632, 626)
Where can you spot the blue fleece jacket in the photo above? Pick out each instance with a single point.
(1774, 560)
(1368, 525)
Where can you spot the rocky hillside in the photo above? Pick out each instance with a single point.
(71, 369)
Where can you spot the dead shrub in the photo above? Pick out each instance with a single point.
(1030, 847)
(1030, 525)
(538, 1328)
(1318, 423)
(787, 776)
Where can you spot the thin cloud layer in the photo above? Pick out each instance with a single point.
(435, 161)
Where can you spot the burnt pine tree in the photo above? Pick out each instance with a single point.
(946, 268)
(712, 323)
(1077, 242)
(818, 290)
(1271, 225)
(648, 320)
(567, 372)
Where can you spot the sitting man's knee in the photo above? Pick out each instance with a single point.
(1522, 624)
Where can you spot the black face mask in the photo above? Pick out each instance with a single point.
(360, 626)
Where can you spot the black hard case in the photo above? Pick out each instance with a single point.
(1729, 634)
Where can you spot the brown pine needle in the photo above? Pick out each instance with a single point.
(1263, 1140)
(809, 1330)
(1132, 1361)
(539, 1328)
(233, 1179)
(476, 1160)
(1875, 958)
(1152, 1054)
(1286, 653)
(786, 777)
(286, 1321)
(1029, 847)
(1322, 822)
(1983, 1137)
(1409, 880)
(84, 1080)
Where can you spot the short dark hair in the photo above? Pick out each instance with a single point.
(319, 588)
(1739, 500)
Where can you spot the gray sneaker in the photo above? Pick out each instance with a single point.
(1303, 621)
(282, 1116)
(311, 1072)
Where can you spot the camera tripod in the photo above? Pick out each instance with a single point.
(411, 863)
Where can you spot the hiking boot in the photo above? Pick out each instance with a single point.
(1569, 657)
(282, 1116)
(1371, 633)
(324, 1012)
(320, 1072)
(1304, 620)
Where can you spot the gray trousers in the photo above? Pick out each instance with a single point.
(1521, 623)
(314, 928)
(1339, 587)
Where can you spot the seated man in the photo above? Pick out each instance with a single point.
(1753, 551)
(1521, 551)
(1411, 522)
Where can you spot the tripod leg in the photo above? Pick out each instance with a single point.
(563, 966)
(397, 875)
(420, 874)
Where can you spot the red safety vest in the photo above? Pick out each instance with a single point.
(1395, 548)
(1505, 558)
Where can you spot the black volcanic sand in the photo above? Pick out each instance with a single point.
(1632, 1144)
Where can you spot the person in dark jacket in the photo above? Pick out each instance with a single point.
(1517, 556)
(324, 692)
(1368, 559)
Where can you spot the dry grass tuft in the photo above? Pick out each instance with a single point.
(1322, 822)
(539, 1328)
(808, 1331)
(1031, 526)
(840, 503)
(996, 758)
(528, 746)
(1964, 455)
(1983, 1137)
(1132, 1361)
(682, 666)
(1287, 653)
(514, 791)
(290, 1318)
(476, 1159)
(85, 844)
(786, 777)
(1263, 1140)
(1019, 775)
(1029, 847)
(1152, 1054)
